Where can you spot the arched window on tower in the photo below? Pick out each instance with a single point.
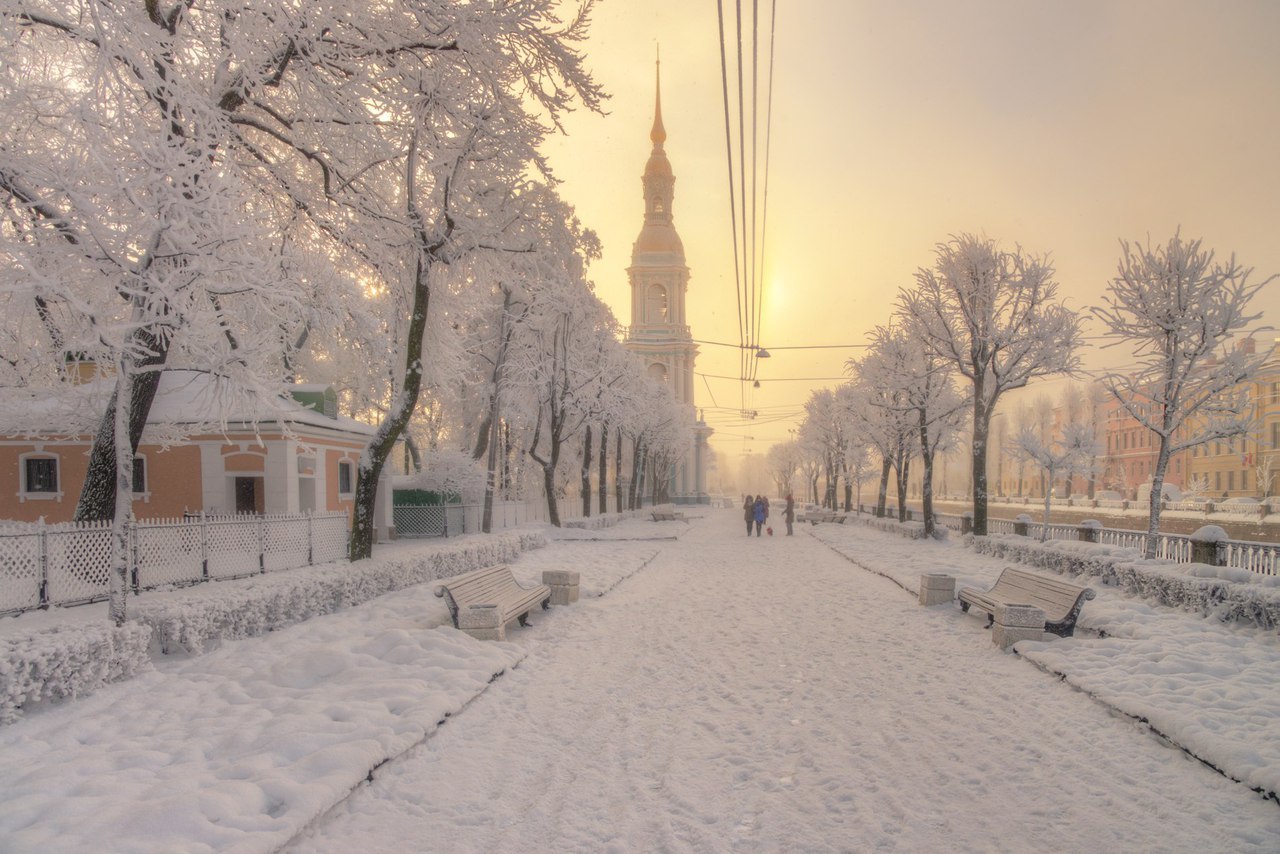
(656, 309)
(658, 207)
(658, 371)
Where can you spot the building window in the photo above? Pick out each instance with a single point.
(139, 475)
(656, 310)
(346, 479)
(40, 476)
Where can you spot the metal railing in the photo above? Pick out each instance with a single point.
(1262, 558)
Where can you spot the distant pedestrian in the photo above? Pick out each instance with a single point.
(758, 513)
(790, 513)
(749, 512)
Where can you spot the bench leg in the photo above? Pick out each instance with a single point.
(524, 618)
(991, 619)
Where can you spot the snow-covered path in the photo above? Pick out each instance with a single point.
(766, 694)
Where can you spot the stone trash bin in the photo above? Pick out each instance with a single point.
(937, 588)
(481, 622)
(1016, 622)
(563, 584)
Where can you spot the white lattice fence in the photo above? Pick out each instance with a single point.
(284, 542)
(78, 556)
(168, 552)
(233, 547)
(42, 565)
(328, 537)
(20, 575)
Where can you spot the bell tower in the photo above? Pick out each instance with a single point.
(659, 278)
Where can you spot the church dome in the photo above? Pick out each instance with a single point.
(658, 164)
(658, 237)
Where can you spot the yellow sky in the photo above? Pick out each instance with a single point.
(1059, 126)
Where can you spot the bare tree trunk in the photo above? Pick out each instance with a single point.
(1153, 500)
(401, 409)
(604, 470)
(617, 468)
(118, 583)
(882, 499)
(98, 495)
(586, 471)
(926, 491)
(904, 466)
(981, 425)
(549, 486)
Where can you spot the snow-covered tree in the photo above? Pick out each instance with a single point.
(924, 402)
(1074, 448)
(783, 461)
(1180, 309)
(993, 314)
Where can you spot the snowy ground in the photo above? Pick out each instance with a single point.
(709, 693)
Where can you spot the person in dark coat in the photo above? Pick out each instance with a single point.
(749, 512)
(759, 513)
(790, 512)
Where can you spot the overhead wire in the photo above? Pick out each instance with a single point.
(748, 226)
(733, 209)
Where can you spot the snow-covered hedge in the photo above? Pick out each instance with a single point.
(911, 530)
(1229, 593)
(72, 660)
(66, 661)
(190, 620)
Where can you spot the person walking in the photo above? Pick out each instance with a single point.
(749, 512)
(759, 513)
(790, 513)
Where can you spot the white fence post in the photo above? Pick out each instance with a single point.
(42, 559)
(204, 546)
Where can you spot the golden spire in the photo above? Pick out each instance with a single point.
(659, 133)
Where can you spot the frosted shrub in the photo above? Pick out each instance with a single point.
(68, 661)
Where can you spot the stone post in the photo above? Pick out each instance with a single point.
(1021, 523)
(937, 588)
(563, 584)
(966, 522)
(1209, 545)
(1088, 531)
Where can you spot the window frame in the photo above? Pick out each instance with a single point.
(25, 492)
(349, 468)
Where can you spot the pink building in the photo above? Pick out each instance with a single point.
(204, 450)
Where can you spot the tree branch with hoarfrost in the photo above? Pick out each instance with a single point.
(993, 314)
(1075, 449)
(1181, 309)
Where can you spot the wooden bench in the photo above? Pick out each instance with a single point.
(483, 601)
(1060, 601)
(815, 518)
(668, 516)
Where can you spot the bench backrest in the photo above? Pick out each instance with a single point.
(1055, 597)
(481, 587)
